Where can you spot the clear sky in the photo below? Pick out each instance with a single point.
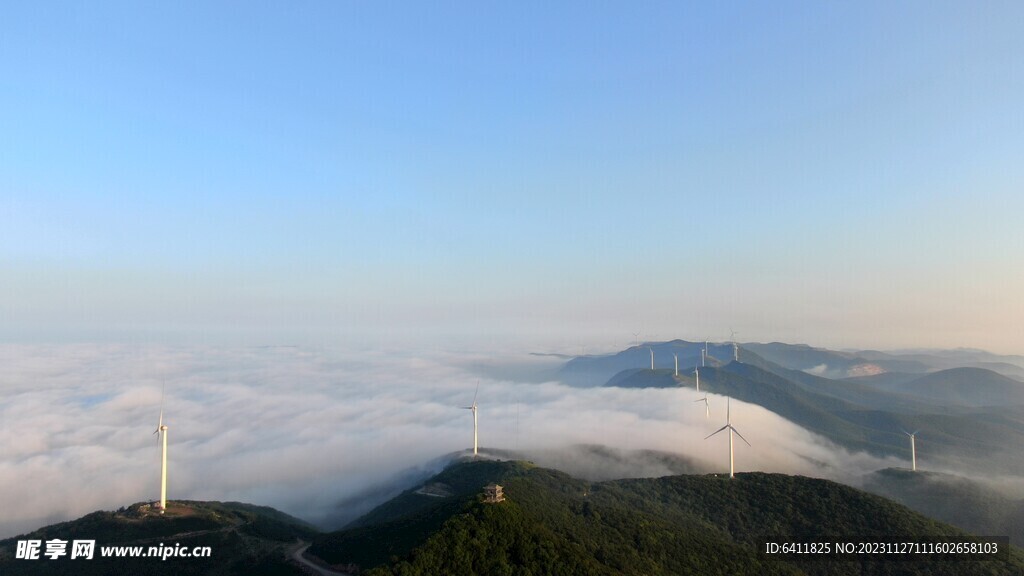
(837, 173)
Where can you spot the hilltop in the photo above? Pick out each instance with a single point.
(244, 540)
(552, 523)
(966, 386)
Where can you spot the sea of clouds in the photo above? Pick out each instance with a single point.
(325, 434)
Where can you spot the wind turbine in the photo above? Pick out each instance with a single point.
(652, 357)
(473, 408)
(735, 347)
(913, 449)
(676, 356)
(728, 426)
(636, 338)
(161, 433)
(696, 375)
(707, 409)
(704, 353)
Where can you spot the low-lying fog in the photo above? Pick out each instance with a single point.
(325, 435)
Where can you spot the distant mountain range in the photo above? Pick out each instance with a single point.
(965, 416)
(596, 370)
(845, 364)
(965, 386)
(551, 523)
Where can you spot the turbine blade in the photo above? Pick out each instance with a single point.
(160, 422)
(914, 433)
(716, 431)
(477, 392)
(740, 435)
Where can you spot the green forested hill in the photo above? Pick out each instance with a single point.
(554, 524)
(244, 539)
(958, 500)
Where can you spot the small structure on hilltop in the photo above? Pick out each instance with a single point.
(493, 494)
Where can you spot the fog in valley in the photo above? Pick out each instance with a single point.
(325, 434)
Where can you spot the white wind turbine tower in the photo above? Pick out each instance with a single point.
(696, 376)
(473, 408)
(707, 409)
(636, 338)
(676, 357)
(704, 353)
(735, 347)
(652, 357)
(913, 449)
(728, 426)
(161, 432)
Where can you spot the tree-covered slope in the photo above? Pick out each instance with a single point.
(958, 500)
(243, 539)
(551, 523)
(645, 378)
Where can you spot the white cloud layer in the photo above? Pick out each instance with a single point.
(325, 435)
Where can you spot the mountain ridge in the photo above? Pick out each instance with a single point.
(707, 524)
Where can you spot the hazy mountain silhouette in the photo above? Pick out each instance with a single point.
(965, 386)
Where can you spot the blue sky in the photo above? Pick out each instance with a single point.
(843, 174)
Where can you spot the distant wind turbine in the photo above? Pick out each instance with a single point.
(473, 408)
(161, 434)
(913, 449)
(704, 353)
(636, 338)
(676, 357)
(652, 357)
(696, 376)
(707, 409)
(735, 347)
(728, 426)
